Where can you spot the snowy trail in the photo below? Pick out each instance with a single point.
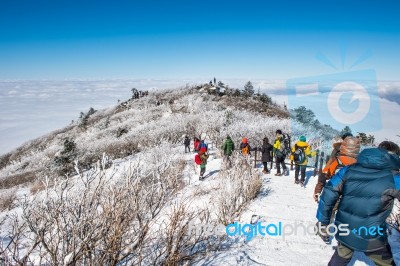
(281, 200)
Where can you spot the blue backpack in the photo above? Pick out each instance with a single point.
(203, 145)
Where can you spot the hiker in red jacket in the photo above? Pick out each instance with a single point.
(196, 144)
(201, 159)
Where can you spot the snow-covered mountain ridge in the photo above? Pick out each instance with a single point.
(134, 191)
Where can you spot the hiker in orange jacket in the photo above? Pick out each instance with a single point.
(245, 147)
(344, 153)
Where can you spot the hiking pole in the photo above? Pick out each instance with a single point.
(316, 163)
(321, 161)
(255, 158)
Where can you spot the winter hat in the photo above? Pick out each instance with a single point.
(345, 135)
(279, 131)
(244, 140)
(302, 138)
(350, 146)
(203, 150)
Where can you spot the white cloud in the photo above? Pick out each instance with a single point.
(29, 109)
(38, 107)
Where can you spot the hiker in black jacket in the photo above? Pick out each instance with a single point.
(266, 157)
(187, 143)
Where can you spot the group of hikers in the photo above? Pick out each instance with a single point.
(360, 193)
(279, 150)
(354, 188)
(136, 94)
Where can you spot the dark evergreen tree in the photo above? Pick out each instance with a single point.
(248, 89)
(346, 130)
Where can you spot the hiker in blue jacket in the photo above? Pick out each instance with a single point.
(367, 191)
(394, 227)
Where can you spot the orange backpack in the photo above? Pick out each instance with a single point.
(349, 149)
(245, 149)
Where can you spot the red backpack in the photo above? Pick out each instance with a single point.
(197, 159)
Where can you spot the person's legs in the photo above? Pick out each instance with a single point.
(265, 167)
(382, 257)
(202, 170)
(303, 173)
(296, 173)
(342, 256)
(283, 164)
(394, 242)
(278, 165)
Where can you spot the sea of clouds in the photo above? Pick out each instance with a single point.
(31, 108)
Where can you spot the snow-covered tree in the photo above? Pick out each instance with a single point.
(248, 89)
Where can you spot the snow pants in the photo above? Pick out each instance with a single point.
(280, 161)
(343, 255)
(394, 242)
(202, 169)
(187, 148)
(302, 170)
(265, 167)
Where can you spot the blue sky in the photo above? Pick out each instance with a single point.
(196, 39)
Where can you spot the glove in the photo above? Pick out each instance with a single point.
(322, 232)
(317, 196)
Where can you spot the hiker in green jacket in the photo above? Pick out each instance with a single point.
(228, 148)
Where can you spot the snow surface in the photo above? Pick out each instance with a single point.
(280, 200)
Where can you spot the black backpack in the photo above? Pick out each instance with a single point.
(299, 155)
(285, 144)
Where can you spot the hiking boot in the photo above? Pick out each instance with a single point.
(296, 181)
(286, 172)
(302, 183)
(264, 172)
(278, 174)
(200, 178)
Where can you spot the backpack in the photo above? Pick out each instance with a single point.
(196, 145)
(299, 155)
(245, 149)
(347, 155)
(203, 145)
(285, 144)
(197, 159)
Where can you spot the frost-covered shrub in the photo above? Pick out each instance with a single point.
(7, 199)
(99, 218)
(18, 179)
(4, 160)
(238, 186)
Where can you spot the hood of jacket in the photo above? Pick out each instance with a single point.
(377, 158)
(302, 144)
